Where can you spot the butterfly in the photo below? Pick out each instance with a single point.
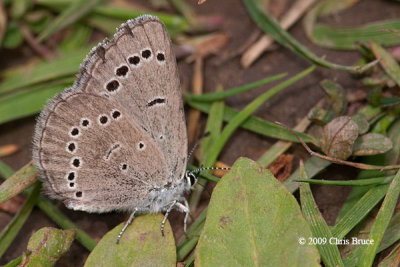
(117, 139)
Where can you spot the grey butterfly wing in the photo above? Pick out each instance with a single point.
(86, 144)
(138, 70)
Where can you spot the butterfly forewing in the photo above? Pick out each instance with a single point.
(137, 69)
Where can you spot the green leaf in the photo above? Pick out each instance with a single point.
(337, 96)
(338, 137)
(247, 227)
(329, 251)
(141, 245)
(47, 245)
(76, 11)
(13, 36)
(362, 122)
(387, 62)
(371, 144)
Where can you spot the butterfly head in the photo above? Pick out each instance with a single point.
(191, 178)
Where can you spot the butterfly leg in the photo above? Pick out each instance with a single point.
(126, 224)
(173, 203)
(184, 208)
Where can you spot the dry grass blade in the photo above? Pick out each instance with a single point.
(288, 19)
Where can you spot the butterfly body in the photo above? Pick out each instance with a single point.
(116, 140)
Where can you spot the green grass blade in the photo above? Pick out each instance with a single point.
(313, 166)
(213, 127)
(281, 146)
(329, 252)
(76, 11)
(249, 110)
(358, 211)
(55, 214)
(234, 91)
(27, 103)
(392, 233)
(18, 182)
(347, 38)
(272, 27)
(381, 222)
(255, 124)
(65, 66)
(8, 234)
(363, 182)
(387, 62)
(175, 24)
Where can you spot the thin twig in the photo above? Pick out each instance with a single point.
(36, 46)
(339, 161)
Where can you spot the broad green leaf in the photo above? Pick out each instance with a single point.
(337, 96)
(141, 245)
(46, 246)
(12, 36)
(362, 122)
(371, 144)
(247, 227)
(338, 137)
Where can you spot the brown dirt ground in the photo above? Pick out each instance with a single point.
(288, 107)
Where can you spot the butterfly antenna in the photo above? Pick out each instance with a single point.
(197, 171)
(196, 144)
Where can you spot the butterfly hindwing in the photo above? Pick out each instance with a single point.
(103, 150)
